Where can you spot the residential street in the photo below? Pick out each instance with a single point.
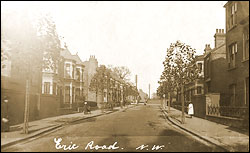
(132, 128)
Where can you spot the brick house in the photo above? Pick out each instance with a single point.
(237, 55)
(72, 80)
(216, 75)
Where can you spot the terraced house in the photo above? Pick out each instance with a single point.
(113, 91)
(237, 51)
(73, 82)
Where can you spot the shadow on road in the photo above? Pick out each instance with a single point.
(92, 119)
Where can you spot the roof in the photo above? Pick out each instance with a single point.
(77, 59)
(66, 54)
(199, 57)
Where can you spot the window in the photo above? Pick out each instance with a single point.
(246, 44)
(47, 87)
(73, 72)
(67, 94)
(200, 67)
(54, 88)
(67, 71)
(82, 92)
(199, 90)
(233, 19)
(73, 94)
(207, 70)
(82, 74)
(78, 74)
(232, 53)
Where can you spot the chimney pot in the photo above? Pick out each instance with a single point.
(217, 30)
(222, 30)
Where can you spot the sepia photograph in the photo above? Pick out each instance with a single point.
(124, 76)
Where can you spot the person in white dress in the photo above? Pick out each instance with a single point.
(190, 109)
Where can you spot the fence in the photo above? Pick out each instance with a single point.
(237, 112)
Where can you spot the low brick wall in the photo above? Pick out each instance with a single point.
(229, 121)
(49, 106)
(16, 106)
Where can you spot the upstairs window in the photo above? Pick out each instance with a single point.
(200, 67)
(233, 18)
(246, 44)
(232, 54)
(78, 74)
(67, 71)
(207, 69)
(73, 72)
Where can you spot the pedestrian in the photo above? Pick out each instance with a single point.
(5, 127)
(85, 108)
(190, 109)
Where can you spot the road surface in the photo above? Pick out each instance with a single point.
(141, 128)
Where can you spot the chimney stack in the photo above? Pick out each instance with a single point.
(207, 48)
(219, 38)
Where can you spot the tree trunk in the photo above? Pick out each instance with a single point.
(168, 101)
(26, 109)
(183, 106)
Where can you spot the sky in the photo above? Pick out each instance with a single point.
(135, 34)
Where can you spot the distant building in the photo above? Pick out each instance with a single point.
(143, 96)
(89, 72)
(155, 96)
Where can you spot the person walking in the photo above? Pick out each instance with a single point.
(85, 108)
(190, 109)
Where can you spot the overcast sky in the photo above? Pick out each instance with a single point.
(133, 34)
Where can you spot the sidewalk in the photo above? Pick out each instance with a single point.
(39, 127)
(218, 134)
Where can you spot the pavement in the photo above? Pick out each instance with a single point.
(232, 140)
(45, 125)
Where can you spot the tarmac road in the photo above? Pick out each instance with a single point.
(141, 128)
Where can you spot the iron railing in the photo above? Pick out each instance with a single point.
(228, 111)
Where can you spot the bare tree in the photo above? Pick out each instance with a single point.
(122, 71)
